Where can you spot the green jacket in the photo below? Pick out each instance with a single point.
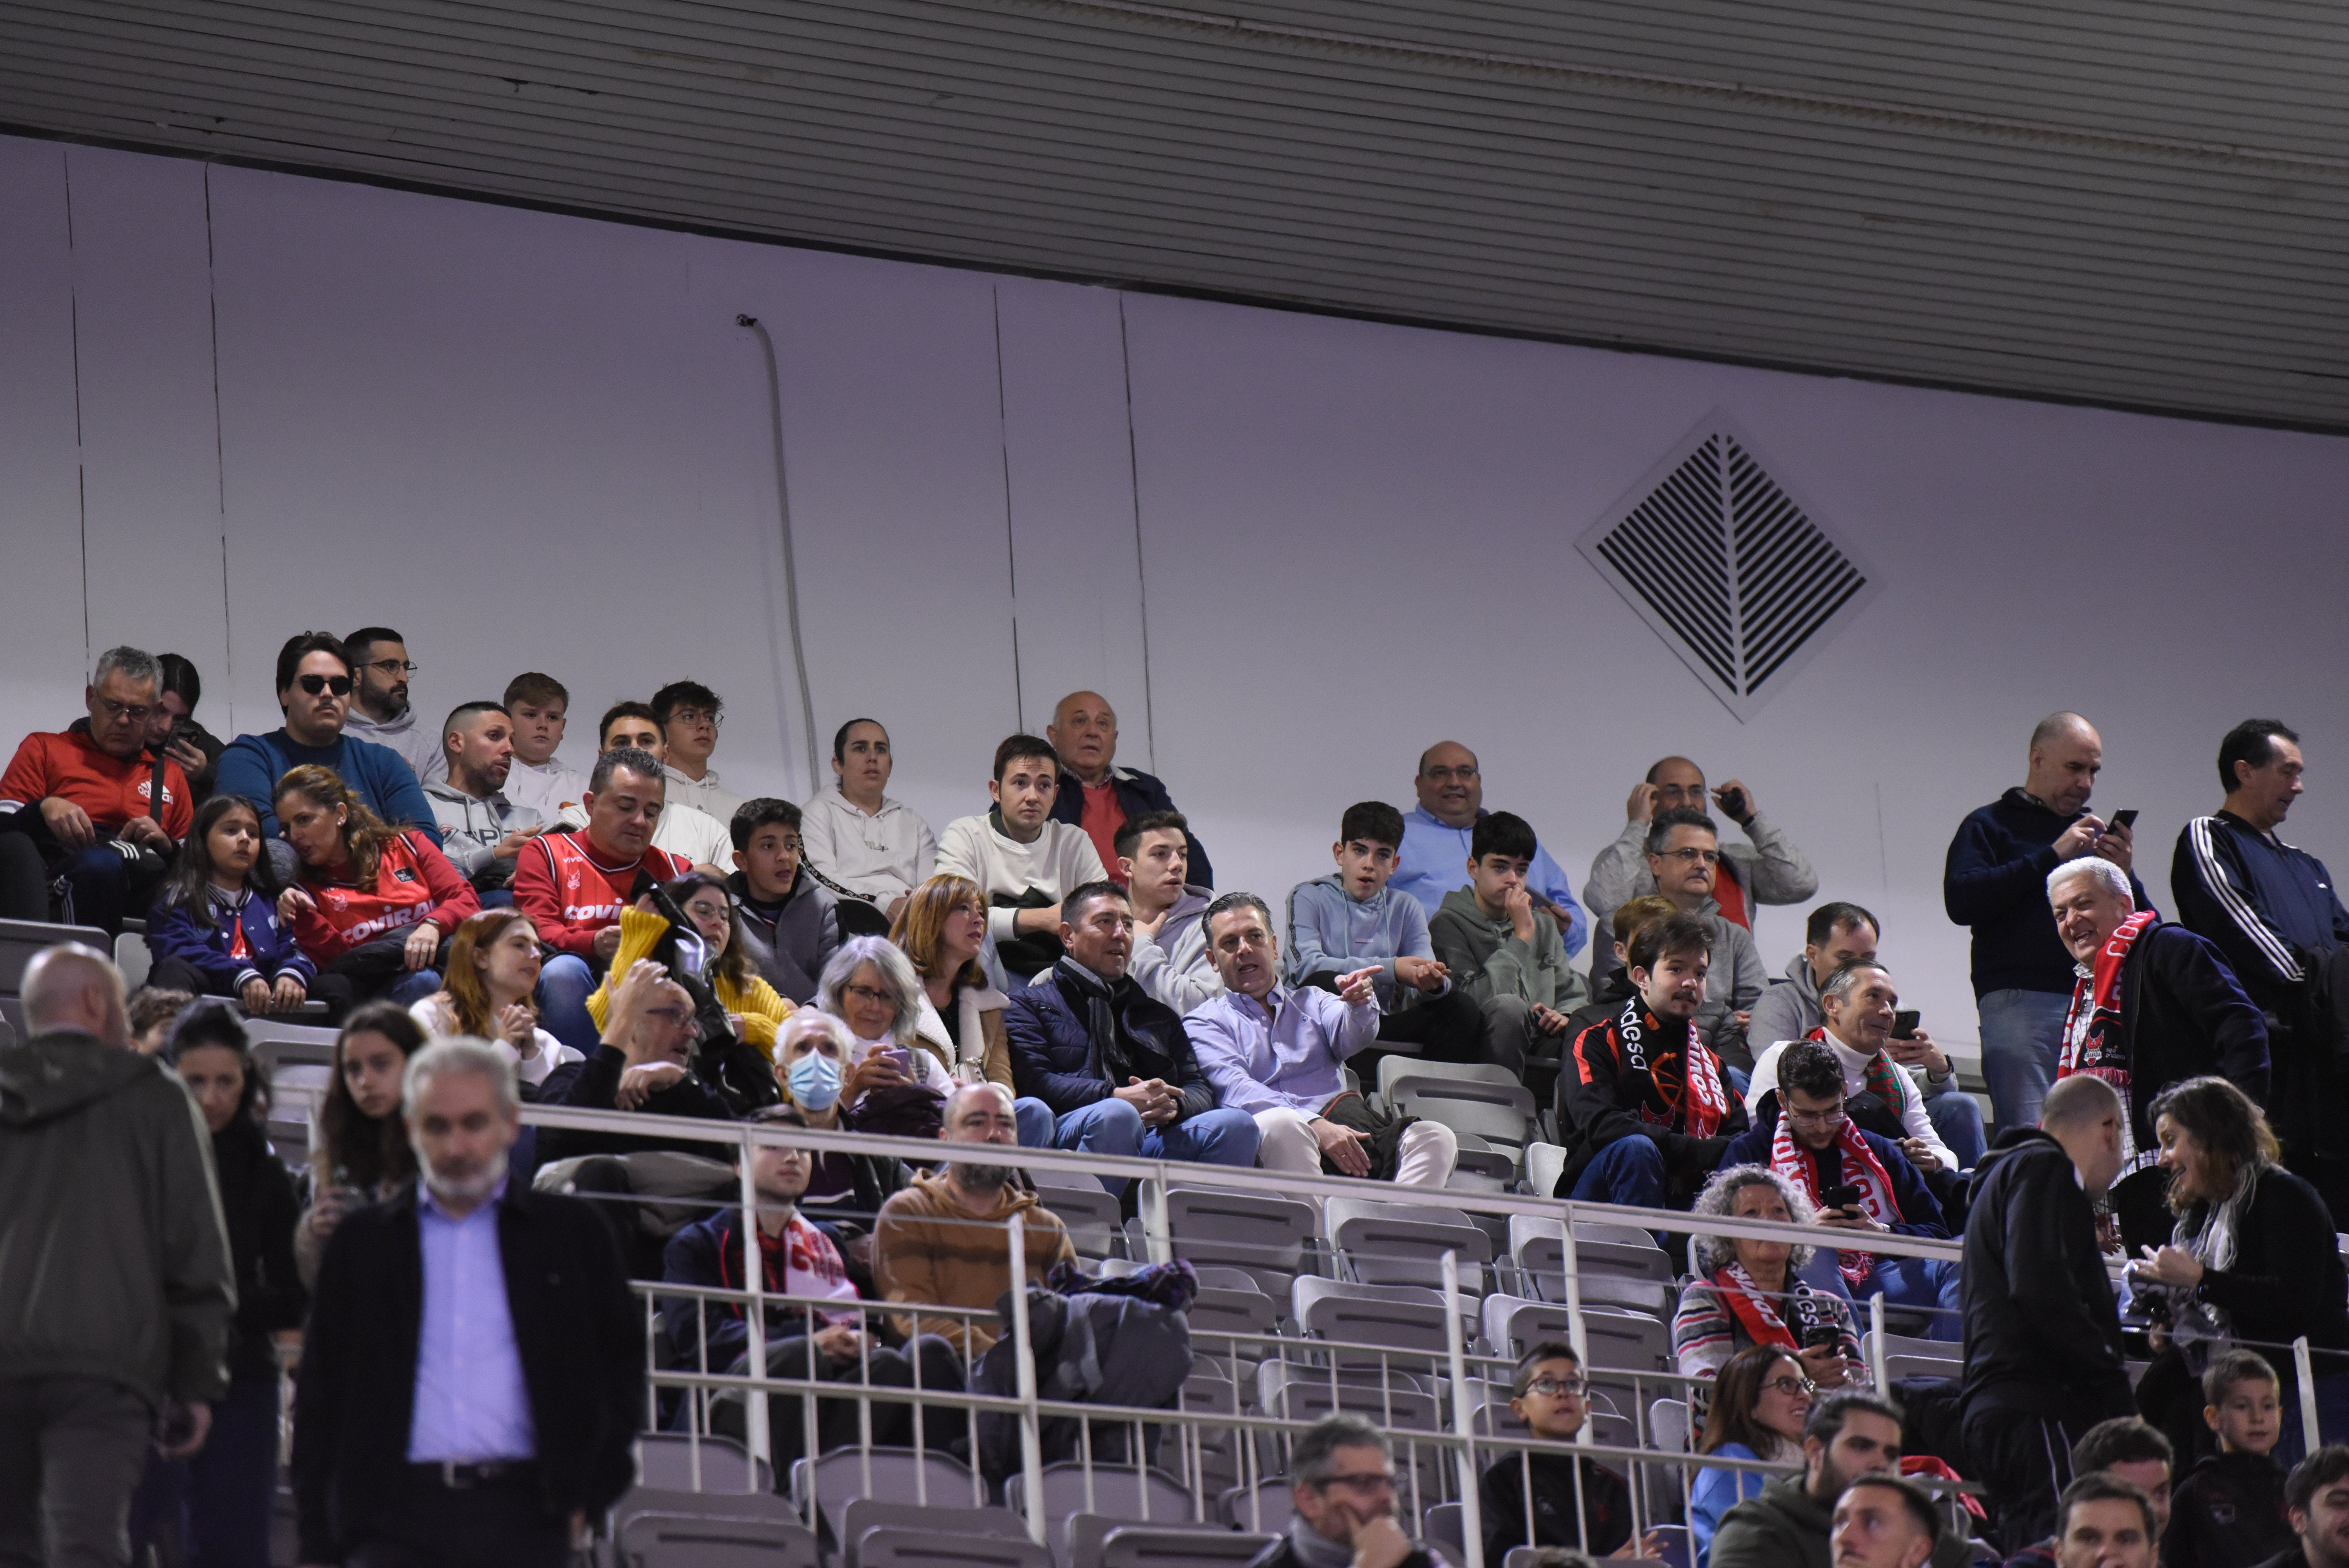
(1487, 960)
(114, 1259)
(1785, 1527)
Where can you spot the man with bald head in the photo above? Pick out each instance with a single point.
(114, 1263)
(1996, 882)
(1436, 849)
(1769, 869)
(1084, 732)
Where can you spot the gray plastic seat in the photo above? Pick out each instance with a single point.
(1095, 1227)
(1267, 1506)
(898, 1474)
(20, 938)
(1309, 1393)
(1500, 1113)
(1403, 1244)
(1625, 1341)
(1394, 1070)
(903, 1546)
(1362, 1320)
(667, 1460)
(1910, 1357)
(1538, 1246)
(866, 1514)
(763, 1505)
(1544, 1163)
(1155, 1546)
(1269, 1237)
(1114, 1493)
(711, 1540)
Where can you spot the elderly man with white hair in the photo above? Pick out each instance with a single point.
(2153, 1005)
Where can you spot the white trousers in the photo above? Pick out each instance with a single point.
(1286, 1142)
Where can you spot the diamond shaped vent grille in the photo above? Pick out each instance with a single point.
(1727, 567)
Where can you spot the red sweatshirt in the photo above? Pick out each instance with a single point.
(570, 892)
(69, 765)
(414, 882)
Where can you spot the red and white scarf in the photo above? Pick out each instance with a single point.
(1679, 1080)
(2092, 1040)
(1764, 1323)
(1858, 1165)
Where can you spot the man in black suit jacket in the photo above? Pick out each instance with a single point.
(472, 1378)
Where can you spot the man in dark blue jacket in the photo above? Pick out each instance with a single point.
(1996, 882)
(1105, 797)
(1812, 1143)
(314, 689)
(1098, 1063)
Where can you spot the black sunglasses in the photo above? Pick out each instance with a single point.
(339, 684)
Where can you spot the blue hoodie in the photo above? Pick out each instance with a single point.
(380, 777)
(1434, 860)
(1330, 932)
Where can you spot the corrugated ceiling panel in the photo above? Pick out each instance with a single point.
(2143, 206)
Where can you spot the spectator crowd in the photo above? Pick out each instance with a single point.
(486, 928)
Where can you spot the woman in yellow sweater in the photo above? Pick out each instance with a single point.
(755, 1006)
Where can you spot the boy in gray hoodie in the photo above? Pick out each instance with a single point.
(1504, 953)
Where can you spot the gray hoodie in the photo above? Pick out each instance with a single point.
(1786, 1011)
(1174, 966)
(114, 1258)
(419, 745)
(1487, 959)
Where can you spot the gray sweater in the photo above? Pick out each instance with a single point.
(1771, 870)
(1489, 959)
(1174, 966)
(791, 948)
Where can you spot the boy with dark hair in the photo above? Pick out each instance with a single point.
(689, 715)
(2229, 1511)
(1022, 860)
(1338, 923)
(538, 703)
(790, 922)
(1505, 953)
(1170, 935)
(1548, 1393)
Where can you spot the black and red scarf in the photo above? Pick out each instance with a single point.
(1764, 1322)
(1678, 1078)
(2093, 1039)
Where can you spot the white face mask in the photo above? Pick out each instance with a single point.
(815, 1080)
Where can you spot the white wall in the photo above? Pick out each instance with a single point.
(1293, 551)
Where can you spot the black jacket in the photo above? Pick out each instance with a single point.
(1282, 1554)
(1137, 792)
(2288, 1278)
(1605, 1505)
(1601, 1105)
(2228, 1512)
(2183, 1015)
(594, 1084)
(259, 1203)
(1920, 1215)
(1055, 1058)
(2043, 1329)
(582, 1350)
(1995, 880)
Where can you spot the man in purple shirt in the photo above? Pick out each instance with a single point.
(1275, 1052)
(429, 1428)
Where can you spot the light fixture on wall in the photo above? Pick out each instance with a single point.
(1730, 570)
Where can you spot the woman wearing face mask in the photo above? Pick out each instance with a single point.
(845, 1191)
(941, 928)
(231, 1482)
(753, 1006)
(358, 1150)
(493, 963)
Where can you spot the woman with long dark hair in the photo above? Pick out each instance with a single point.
(214, 930)
(370, 906)
(755, 1009)
(1760, 1399)
(2253, 1262)
(359, 1140)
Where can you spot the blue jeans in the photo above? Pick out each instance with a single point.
(1956, 1117)
(2021, 1035)
(1929, 1282)
(1629, 1170)
(1112, 1126)
(564, 983)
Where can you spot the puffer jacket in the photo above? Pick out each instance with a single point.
(114, 1258)
(1054, 1057)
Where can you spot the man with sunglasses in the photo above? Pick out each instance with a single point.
(79, 816)
(380, 711)
(313, 690)
(1345, 1498)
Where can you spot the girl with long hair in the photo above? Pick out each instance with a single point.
(493, 964)
(214, 930)
(359, 1151)
(371, 905)
(941, 927)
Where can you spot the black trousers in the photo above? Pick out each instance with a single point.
(501, 1524)
(2025, 1459)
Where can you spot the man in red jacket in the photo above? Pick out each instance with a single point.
(573, 885)
(79, 816)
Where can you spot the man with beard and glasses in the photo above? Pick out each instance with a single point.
(380, 711)
(470, 1388)
(941, 1238)
(482, 832)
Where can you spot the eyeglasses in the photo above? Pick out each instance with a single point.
(1816, 1118)
(1551, 1387)
(1373, 1482)
(1693, 855)
(1791, 1386)
(689, 715)
(673, 1014)
(868, 993)
(389, 667)
(131, 711)
(1451, 775)
(339, 684)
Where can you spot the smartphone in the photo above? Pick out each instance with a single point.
(1904, 1024)
(898, 1057)
(1823, 1336)
(1844, 1197)
(2122, 820)
(1733, 804)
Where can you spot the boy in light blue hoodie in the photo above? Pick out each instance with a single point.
(1340, 923)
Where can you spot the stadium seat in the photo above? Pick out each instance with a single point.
(1538, 1245)
(1907, 1357)
(897, 1474)
(1442, 1525)
(1090, 1212)
(1481, 1168)
(1267, 1506)
(1544, 1163)
(668, 1460)
(20, 938)
(1403, 1244)
(1367, 1319)
(1626, 1341)
(1296, 1392)
(1157, 1546)
(763, 1505)
(905, 1546)
(1394, 1070)
(1109, 1491)
(1500, 1113)
(130, 956)
(1670, 1425)
(866, 1514)
(1269, 1237)
(700, 1539)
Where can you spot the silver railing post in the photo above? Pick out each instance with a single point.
(1155, 1231)
(1031, 1442)
(754, 1315)
(1876, 1344)
(1463, 1420)
(2310, 1437)
(1571, 1259)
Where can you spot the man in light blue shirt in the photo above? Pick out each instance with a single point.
(1275, 1053)
(1435, 849)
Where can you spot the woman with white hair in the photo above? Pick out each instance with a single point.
(1749, 1291)
(845, 1191)
(895, 1082)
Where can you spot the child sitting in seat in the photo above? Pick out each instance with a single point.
(1549, 1393)
(2227, 1512)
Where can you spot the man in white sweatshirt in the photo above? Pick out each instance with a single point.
(1022, 859)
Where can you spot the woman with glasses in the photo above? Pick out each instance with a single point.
(845, 1191)
(1760, 1402)
(754, 1007)
(895, 1082)
(941, 927)
(1749, 1291)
